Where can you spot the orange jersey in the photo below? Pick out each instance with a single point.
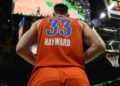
(60, 43)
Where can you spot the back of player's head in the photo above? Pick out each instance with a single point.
(61, 8)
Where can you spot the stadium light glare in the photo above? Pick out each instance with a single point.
(102, 15)
(111, 6)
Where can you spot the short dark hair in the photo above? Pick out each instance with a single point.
(61, 9)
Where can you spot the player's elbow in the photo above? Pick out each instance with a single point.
(101, 46)
(19, 49)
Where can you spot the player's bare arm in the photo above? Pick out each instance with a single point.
(95, 43)
(28, 39)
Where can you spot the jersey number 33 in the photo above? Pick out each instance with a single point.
(55, 27)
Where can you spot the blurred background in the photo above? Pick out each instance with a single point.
(16, 17)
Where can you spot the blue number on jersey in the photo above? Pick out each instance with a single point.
(67, 23)
(55, 27)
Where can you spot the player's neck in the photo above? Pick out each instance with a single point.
(58, 15)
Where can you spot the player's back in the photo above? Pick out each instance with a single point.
(59, 43)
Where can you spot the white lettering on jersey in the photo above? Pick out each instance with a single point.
(57, 41)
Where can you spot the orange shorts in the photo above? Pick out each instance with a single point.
(62, 76)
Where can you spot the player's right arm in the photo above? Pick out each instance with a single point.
(27, 40)
(94, 41)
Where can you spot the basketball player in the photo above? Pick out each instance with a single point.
(60, 59)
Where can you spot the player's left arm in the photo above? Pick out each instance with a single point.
(23, 46)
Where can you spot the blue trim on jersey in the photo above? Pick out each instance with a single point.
(61, 16)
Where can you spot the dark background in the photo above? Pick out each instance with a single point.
(16, 72)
